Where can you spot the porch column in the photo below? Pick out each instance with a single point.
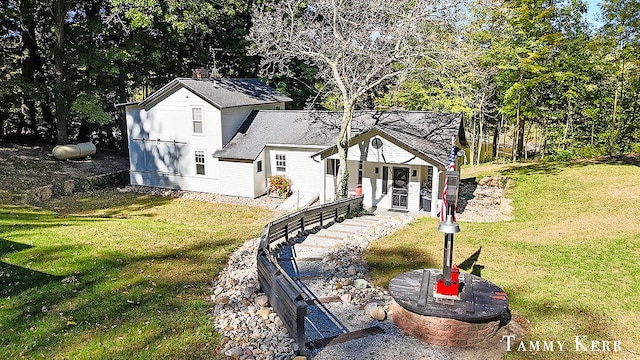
(323, 182)
(435, 191)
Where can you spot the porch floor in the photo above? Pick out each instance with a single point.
(378, 211)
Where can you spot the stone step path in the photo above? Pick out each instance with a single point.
(331, 313)
(337, 327)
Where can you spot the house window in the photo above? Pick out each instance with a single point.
(198, 124)
(281, 163)
(360, 165)
(259, 166)
(199, 162)
(414, 173)
(376, 170)
(332, 167)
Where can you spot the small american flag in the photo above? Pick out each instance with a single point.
(452, 167)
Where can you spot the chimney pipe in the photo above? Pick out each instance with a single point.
(200, 73)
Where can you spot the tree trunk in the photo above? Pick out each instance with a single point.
(504, 137)
(516, 135)
(122, 113)
(495, 142)
(30, 62)
(521, 128)
(59, 92)
(343, 148)
(613, 120)
(567, 127)
(2, 116)
(544, 142)
(48, 120)
(615, 127)
(472, 142)
(480, 137)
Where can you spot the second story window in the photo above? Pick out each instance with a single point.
(281, 163)
(198, 124)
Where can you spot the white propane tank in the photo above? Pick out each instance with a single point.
(71, 151)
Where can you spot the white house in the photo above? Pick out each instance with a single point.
(229, 136)
(173, 133)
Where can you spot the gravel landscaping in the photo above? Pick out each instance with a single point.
(251, 330)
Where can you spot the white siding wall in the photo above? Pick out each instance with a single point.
(331, 184)
(134, 130)
(236, 178)
(260, 178)
(389, 152)
(166, 156)
(301, 168)
(372, 186)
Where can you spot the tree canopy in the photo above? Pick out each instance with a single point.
(532, 77)
(355, 45)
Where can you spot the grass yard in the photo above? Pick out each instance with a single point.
(115, 276)
(569, 261)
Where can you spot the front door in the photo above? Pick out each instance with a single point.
(400, 188)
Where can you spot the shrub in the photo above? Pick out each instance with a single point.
(280, 185)
(590, 151)
(562, 156)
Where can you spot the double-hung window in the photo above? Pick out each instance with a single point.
(198, 123)
(199, 162)
(281, 163)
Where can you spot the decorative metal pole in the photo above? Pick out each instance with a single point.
(447, 283)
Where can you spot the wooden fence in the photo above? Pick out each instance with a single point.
(285, 296)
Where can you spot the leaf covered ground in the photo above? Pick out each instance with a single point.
(24, 167)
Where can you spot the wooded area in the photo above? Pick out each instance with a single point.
(532, 77)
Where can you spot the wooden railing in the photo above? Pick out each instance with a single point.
(288, 300)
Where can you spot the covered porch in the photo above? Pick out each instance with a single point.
(389, 173)
(388, 185)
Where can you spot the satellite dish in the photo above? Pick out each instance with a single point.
(376, 143)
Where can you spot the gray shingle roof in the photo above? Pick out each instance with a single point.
(222, 93)
(429, 133)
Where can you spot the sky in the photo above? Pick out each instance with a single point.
(593, 12)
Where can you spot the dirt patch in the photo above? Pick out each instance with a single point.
(26, 167)
(484, 201)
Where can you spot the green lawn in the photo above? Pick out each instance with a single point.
(115, 276)
(569, 261)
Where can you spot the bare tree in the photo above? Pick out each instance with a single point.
(356, 44)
